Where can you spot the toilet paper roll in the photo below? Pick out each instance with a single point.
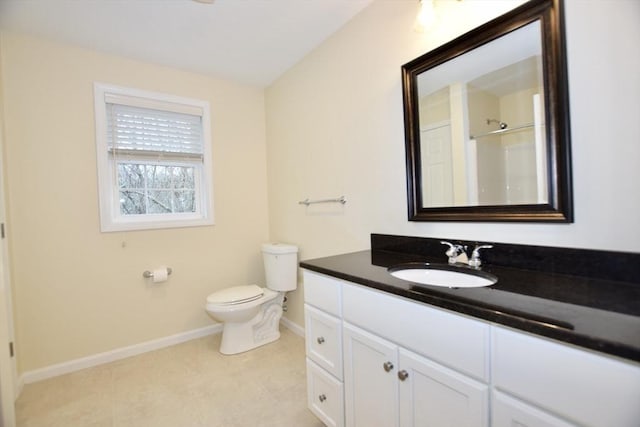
(160, 274)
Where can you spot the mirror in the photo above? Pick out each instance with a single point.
(487, 123)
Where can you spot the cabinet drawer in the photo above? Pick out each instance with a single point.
(584, 387)
(509, 412)
(323, 292)
(325, 396)
(453, 340)
(323, 337)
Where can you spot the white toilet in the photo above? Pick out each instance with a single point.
(251, 314)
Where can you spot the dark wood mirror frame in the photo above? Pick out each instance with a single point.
(558, 135)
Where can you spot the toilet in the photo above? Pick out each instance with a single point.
(251, 314)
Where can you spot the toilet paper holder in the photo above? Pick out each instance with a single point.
(147, 274)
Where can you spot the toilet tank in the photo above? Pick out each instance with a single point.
(280, 266)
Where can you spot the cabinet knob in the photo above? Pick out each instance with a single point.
(322, 398)
(387, 366)
(320, 340)
(403, 375)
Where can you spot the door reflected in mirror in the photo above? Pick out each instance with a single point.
(486, 120)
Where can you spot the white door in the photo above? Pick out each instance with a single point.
(509, 412)
(436, 162)
(370, 379)
(7, 394)
(7, 363)
(435, 396)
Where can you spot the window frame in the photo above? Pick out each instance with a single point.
(108, 186)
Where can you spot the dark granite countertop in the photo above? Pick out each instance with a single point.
(594, 313)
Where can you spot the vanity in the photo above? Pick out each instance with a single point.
(555, 342)
(542, 337)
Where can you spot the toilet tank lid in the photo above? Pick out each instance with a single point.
(279, 248)
(236, 294)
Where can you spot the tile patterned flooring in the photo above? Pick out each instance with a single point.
(186, 385)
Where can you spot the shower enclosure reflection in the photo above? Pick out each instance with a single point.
(482, 136)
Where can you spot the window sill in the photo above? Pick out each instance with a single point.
(146, 224)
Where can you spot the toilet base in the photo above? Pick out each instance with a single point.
(262, 329)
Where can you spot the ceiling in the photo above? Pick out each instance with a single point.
(250, 41)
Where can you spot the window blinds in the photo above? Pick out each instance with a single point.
(133, 130)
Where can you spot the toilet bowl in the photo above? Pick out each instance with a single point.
(251, 314)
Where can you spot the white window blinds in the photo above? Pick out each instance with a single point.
(133, 130)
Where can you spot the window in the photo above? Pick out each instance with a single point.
(154, 167)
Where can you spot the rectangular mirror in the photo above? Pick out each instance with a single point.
(487, 123)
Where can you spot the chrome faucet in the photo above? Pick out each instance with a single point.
(454, 252)
(475, 261)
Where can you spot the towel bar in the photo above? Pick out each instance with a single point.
(308, 202)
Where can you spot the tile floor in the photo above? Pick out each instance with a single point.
(187, 385)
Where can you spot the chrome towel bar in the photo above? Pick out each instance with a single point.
(308, 202)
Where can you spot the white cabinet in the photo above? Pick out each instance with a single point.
(371, 384)
(376, 359)
(433, 395)
(579, 386)
(456, 341)
(323, 341)
(387, 385)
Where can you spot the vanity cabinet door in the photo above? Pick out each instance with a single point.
(435, 396)
(508, 412)
(370, 379)
(581, 386)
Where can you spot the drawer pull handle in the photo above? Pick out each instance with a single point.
(322, 398)
(320, 340)
(387, 366)
(403, 375)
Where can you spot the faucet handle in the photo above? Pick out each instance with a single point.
(443, 242)
(453, 251)
(475, 255)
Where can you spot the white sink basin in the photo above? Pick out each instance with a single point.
(442, 275)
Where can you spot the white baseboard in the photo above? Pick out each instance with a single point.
(292, 326)
(113, 355)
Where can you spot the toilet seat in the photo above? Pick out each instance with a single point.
(235, 295)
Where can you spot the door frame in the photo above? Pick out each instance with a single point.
(8, 371)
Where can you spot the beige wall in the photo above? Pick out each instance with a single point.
(491, 176)
(334, 126)
(78, 291)
(434, 108)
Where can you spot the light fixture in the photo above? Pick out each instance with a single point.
(426, 15)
